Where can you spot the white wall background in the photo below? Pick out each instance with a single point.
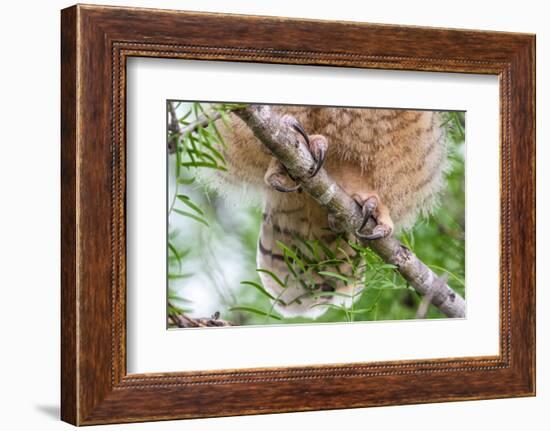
(29, 227)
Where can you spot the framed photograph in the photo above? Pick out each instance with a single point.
(264, 214)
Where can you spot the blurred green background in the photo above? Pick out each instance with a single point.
(212, 239)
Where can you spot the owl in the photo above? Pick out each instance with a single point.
(392, 162)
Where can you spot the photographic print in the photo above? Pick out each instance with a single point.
(247, 246)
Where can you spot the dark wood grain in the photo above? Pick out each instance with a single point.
(68, 217)
(96, 41)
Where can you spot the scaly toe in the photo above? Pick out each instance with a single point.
(380, 231)
(293, 123)
(318, 147)
(277, 182)
(335, 224)
(368, 206)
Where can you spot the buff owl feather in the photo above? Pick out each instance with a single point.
(393, 162)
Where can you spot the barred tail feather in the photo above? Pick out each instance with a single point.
(304, 293)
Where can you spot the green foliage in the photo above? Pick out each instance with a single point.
(455, 121)
(195, 147)
(367, 272)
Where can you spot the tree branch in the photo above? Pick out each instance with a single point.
(283, 142)
(182, 321)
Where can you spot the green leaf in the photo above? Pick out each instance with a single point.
(203, 156)
(178, 159)
(193, 216)
(362, 310)
(356, 247)
(335, 275)
(173, 296)
(292, 254)
(189, 145)
(408, 240)
(174, 233)
(218, 135)
(255, 311)
(307, 244)
(290, 266)
(174, 250)
(207, 157)
(179, 276)
(329, 305)
(332, 262)
(187, 201)
(195, 106)
(225, 119)
(273, 276)
(186, 181)
(215, 152)
(203, 165)
(260, 288)
(326, 249)
(178, 310)
(331, 294)
(181, 253)
(386, 266)
(348, 258)
(182, 119)
(233, 106)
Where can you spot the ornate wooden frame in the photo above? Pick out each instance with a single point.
(95, 43)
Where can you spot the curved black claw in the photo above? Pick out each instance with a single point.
(284, 189)
(317, 144)
(298, 127)
(380, 231)
(320, 160)
(367, 208)
(318, 148)
(276, 181)
(293, 123)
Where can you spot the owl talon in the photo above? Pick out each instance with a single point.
(316, 144)
(371, 207)
(380, 231)
(292, 122)
(298, 127)
(284, 189)
(276, 180)
(318, 147)
(367, 209)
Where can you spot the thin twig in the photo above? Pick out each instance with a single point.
(183, 321)
(203, 121)
(174, 127)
